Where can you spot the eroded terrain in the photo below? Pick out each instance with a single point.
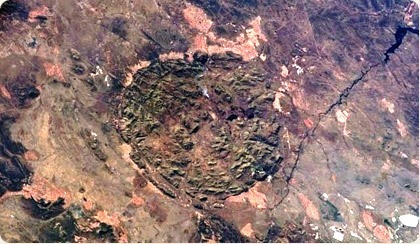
(219, 120)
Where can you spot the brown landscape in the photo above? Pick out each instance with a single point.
(209, 121)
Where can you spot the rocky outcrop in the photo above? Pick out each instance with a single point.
(206, 127)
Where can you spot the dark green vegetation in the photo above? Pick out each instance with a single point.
(73, 225)
(217, 229)
(13, 171)
(43, 209)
